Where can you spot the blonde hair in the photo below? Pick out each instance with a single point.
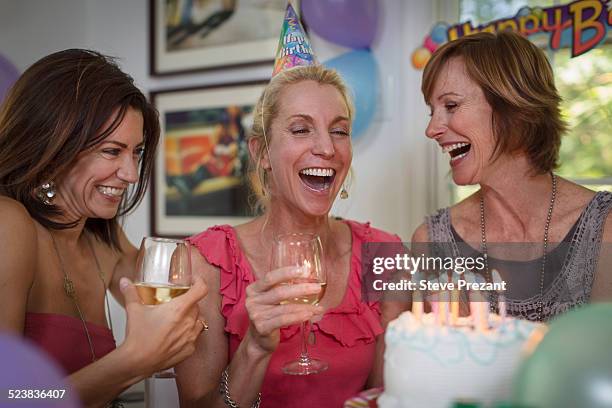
(266, 110)
(518, 83)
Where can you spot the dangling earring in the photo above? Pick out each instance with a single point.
(343, 193)
(46, 192)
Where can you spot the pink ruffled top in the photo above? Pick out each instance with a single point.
(345, 336)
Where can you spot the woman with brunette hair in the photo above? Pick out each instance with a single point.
(495, 111)
(77, 142)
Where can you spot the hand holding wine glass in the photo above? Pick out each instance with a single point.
(158, 337)
(266, 313)
(164, 269)
(164, 273)
(302, 251)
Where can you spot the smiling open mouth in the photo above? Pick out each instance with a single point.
(111, 191)
(318, 179)
(457, 150)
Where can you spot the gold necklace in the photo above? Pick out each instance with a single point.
(71, 292)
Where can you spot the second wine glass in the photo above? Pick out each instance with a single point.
(163, 273)
(305, 252)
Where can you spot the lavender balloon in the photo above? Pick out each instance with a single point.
(26, 368)
(351, 23)
(8, 76)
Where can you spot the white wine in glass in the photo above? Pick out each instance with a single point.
(305, 252)
(163, 273)
(308, 299)
(156, 293)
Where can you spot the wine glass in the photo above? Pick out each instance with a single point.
(163, 273)
(303, 251)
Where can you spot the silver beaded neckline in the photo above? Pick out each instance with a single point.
(483, 235)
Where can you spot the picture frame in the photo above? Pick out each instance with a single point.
(194, 35)
(200, 173)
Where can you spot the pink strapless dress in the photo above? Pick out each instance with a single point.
(64, 339)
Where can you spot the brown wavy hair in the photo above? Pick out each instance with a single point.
(58, 109)
(518, 83)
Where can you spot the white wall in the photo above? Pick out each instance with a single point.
(391, 161)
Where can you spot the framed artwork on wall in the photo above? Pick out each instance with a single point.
(200, 174)
(193, 35)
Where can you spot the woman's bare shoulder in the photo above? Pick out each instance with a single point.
(342, 233)
(572, 198)
(465, 216)
(420, 234)
(250, 229)
(18, 248)
(607, 232)
(15, 219)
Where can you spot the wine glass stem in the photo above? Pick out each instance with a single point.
(304, 358)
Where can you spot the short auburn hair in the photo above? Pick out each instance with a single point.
(518, 83)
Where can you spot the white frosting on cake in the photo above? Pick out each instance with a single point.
(429, 365)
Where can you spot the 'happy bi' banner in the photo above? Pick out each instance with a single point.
(579, 26)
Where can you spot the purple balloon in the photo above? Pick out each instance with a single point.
(8, 75)
(26, 369)
(351, 23)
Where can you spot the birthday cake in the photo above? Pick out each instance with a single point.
(432, 365)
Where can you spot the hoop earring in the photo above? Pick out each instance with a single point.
(46, 192)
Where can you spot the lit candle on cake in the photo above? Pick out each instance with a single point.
(476, 303)
(501, 299)
(454, 301)
(436, 310)
(482, 306)
(435, 307)
(454, 307)
(417, 296)
(443, 298)
(417, 304)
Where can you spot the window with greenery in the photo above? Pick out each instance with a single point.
(585, 84)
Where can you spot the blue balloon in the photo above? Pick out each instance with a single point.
(360, 72)
(524, 11)
(439, 33)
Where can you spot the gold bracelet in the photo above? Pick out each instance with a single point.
(224, 390)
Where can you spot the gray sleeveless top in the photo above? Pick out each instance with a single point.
(570, 267)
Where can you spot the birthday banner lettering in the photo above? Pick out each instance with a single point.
(579, 26)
